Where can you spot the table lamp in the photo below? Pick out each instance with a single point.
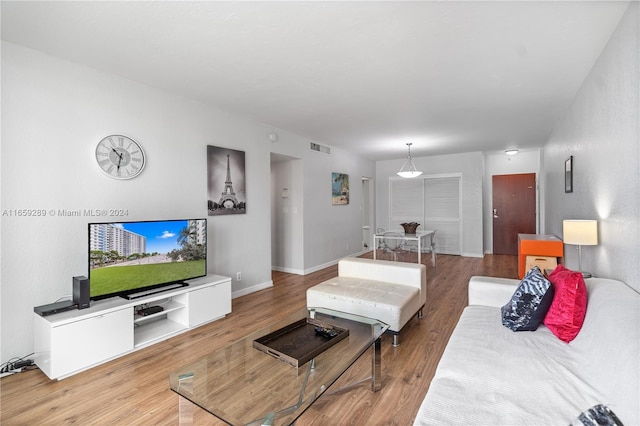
(580, 233)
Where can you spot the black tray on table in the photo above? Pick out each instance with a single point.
(299, 342)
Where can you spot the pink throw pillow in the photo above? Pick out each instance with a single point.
(566, 314)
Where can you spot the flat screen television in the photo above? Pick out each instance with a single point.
(134, 259)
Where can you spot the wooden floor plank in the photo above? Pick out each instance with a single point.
(134, 389)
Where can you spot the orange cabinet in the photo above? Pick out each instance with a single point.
(538, 245)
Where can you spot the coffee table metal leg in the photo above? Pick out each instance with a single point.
(376, 365)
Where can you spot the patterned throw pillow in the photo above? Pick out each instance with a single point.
(598, 415)
(530, 302)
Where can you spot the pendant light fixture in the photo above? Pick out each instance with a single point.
(408, 169)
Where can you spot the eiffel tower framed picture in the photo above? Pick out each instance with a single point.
(226, 181)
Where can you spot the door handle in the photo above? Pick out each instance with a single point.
(495, 214)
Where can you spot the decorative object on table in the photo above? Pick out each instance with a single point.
(410, 228)
(339, 188)
(580, 233)
(568, 175)
(226, 196)
(120, 157)
(408, 169)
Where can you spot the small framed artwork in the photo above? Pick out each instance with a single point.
(568, 175)
(339, 188)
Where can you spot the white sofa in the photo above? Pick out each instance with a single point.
(391, 292)
(490, 375)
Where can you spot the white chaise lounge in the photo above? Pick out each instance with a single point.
(391, 292)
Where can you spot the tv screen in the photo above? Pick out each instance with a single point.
(128, 259)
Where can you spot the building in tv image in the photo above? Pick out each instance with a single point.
(226, 181)
(129, 257)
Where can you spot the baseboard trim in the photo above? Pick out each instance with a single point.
(287, 270)
(333, 262)
(315, 268)
(480, 255)
(319, 267)
(252, 289)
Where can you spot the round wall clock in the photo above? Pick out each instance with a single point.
(120, 157)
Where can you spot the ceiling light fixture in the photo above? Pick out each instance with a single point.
(408, 169)
(511, 151)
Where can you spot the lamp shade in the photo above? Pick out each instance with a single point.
(409, 173)
(408, 169)
(580, 232)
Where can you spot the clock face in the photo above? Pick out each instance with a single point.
(120, 157)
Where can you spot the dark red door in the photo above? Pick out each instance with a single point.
(514, 210)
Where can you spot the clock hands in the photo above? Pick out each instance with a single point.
(119, 154)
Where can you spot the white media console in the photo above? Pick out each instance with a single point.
(70, 342)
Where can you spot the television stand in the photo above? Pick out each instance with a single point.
(132, 296)
(69, 342)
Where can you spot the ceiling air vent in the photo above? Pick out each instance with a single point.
(320, 148)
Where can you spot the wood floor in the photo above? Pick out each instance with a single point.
(134, 389)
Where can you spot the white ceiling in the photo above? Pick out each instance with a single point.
(365, 76)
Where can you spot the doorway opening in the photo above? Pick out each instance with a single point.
(287, 245)
(366, 210)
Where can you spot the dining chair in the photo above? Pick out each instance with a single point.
(393, 242)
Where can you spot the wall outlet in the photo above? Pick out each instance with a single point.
(238, 276)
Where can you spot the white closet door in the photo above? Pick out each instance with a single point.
(442, 212)
(434, 202)
(406, 202)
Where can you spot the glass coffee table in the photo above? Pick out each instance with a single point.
(243, 385)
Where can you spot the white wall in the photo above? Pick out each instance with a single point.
(601, 131)
(470, 165)
(334, 231)
(526, 161)
(53, 115)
